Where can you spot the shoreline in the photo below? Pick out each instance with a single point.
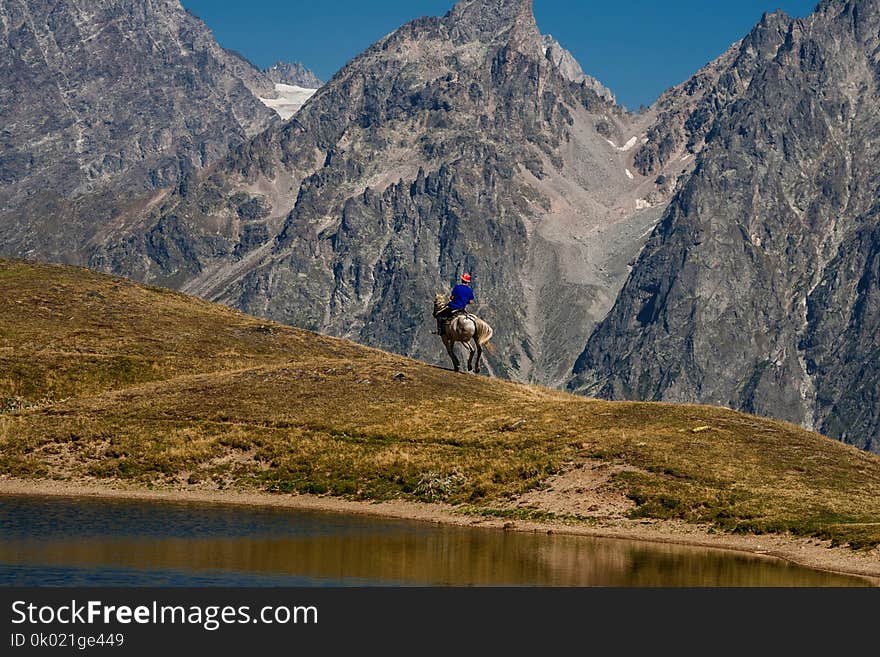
(810, 553)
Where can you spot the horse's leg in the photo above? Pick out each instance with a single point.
(467, 345)
(479, 355)
(450, 349)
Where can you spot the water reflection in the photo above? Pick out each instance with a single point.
(86, 541)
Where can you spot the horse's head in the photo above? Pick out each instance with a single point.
(440, 301)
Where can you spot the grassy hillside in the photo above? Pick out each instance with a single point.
(102, 378)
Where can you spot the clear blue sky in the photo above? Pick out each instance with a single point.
(638, 48)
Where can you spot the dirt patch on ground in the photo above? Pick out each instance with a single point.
(585, 490)
(562, 494)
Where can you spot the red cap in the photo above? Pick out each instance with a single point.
(465, 278)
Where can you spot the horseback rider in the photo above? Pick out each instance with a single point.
(462, 295)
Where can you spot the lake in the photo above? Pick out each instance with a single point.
(78, 541)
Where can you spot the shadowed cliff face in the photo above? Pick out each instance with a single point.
(104, 103)
(759, 289)
(455, 143)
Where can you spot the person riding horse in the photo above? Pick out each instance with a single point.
(462, 295)
(455, 325)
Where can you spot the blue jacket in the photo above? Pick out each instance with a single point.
(461, 296)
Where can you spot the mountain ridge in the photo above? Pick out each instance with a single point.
(468, 96)
(764, 260)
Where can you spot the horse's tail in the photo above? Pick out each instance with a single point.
(483, 334)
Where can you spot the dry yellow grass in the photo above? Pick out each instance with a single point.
(104, 378)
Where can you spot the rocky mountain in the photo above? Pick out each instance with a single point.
(569, 67)
(456, 142)
(103, 105)
(760, 288)
(293, 74)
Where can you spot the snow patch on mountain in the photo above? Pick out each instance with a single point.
(289, 98)
(627, 146)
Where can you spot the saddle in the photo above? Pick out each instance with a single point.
(443, 322)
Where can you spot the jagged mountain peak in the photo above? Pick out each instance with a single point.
(770, 21)
(570, 69)
(456, 39)
(488, 20)
(293, 73)
(490, 16)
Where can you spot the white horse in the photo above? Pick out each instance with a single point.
(464, 328)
